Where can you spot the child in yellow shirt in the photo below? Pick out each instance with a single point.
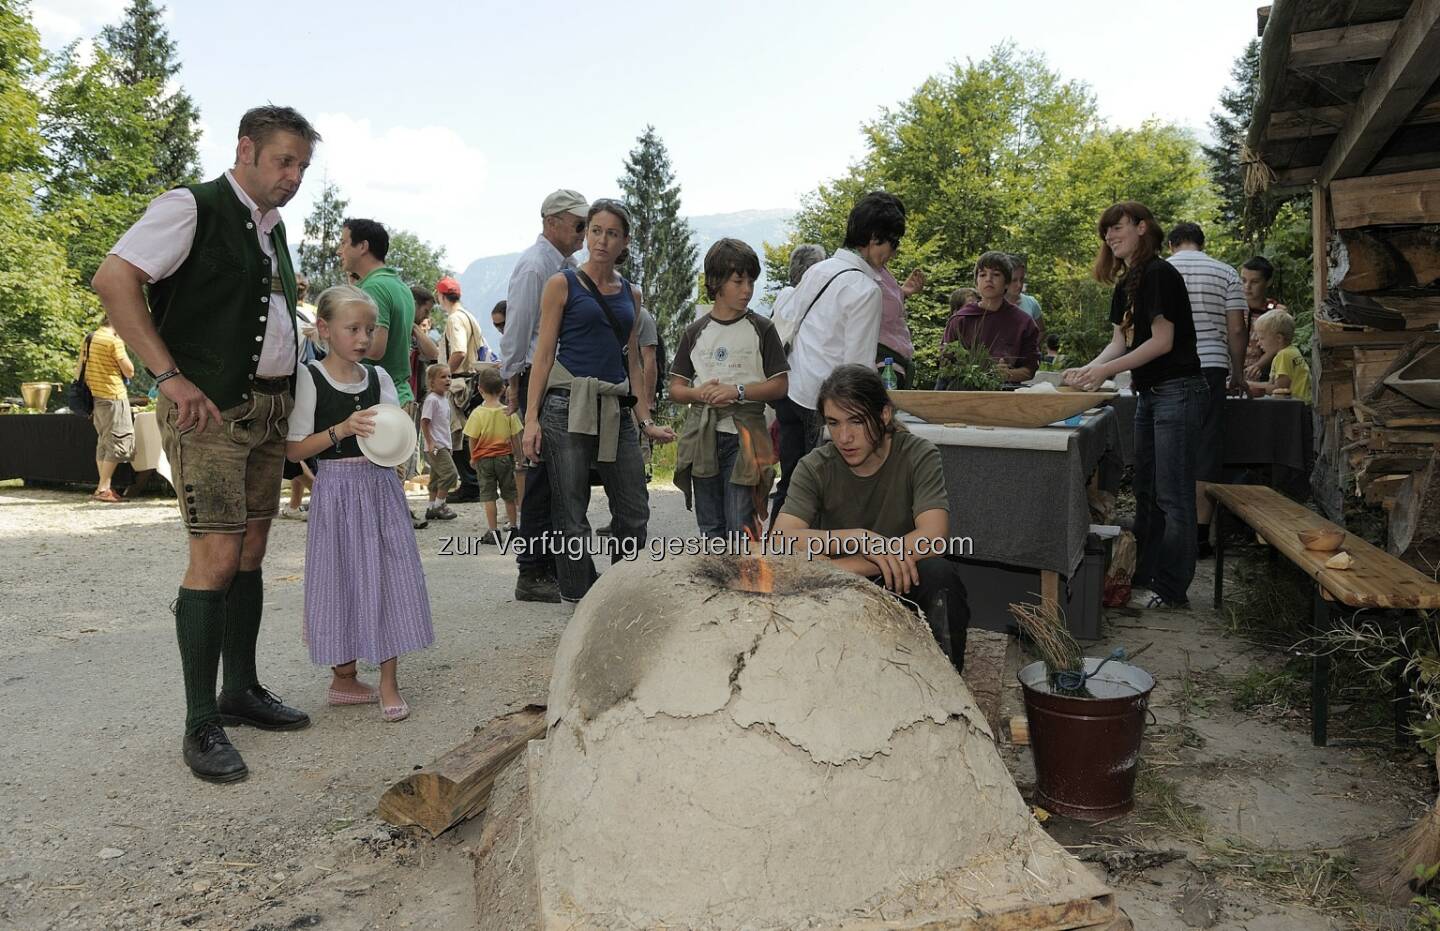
(1289, 373)
(491, 430)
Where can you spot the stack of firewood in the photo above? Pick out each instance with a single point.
(1377, 330)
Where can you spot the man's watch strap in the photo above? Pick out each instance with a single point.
(165, 376)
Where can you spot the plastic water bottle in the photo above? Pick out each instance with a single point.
(887, 373)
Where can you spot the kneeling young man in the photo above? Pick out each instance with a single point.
(875, 491)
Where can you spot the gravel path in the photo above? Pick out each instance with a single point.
(107, 828)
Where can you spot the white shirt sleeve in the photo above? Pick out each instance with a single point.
(159, 242)
(388, 394)
(861, 322)
(302, 417)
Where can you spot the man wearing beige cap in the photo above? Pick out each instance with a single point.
(562, 230)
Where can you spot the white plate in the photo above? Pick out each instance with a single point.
(393, 441)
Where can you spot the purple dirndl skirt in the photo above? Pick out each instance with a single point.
(365, 594)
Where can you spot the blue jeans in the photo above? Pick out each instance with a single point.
(721, 506)
(1167, 441)
(568, 460)
(535, 519)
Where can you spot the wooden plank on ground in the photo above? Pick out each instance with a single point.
(1407, 197)
(457, 786)
(1096, 914)
(1375, 580)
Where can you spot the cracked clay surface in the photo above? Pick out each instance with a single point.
(715, 755)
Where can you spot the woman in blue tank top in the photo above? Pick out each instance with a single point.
(581, 413)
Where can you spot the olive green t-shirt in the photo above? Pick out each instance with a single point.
(826, 495)
(397, 314)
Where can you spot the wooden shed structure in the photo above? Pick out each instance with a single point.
(1348, 107)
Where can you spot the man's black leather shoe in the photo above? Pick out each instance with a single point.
(211, 756)
(536, 586)
(257, 707)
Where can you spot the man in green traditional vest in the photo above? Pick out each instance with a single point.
(364, 244)
(218, 333)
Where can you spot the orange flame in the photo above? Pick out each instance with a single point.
(755, 575)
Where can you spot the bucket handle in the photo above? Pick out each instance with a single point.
(1154, 721)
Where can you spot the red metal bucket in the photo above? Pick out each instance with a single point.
(1087, 749)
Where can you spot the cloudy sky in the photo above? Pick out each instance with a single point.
(455, 119)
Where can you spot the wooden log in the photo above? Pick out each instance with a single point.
(1404, 512)
(1373, 265)
(1406, 197)
(1420, 248)
(1365, 42)
(457, 786)
(1020, 730)
(1371, 366)
(986, 660)
(1328, 121)
(1421, 309)
(1333, 337)
(1392, 90)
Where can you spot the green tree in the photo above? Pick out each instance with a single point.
(414, 260)
(663, 256)
(20, 66)
(318, 261)
(1006, 154)
(142, 52)
(43, 311)
(1243, 219)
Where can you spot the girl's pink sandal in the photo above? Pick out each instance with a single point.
(393, 713)
(336, 697)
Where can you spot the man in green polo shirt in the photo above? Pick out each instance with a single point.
(362, 250)
(363, 247)
(218, 333)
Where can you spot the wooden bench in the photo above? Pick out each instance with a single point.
(1376, 580)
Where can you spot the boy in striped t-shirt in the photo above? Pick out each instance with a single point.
(1217, 304)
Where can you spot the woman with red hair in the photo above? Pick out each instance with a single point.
(1154, 339)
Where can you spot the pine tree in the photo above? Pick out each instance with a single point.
(663, 256)
(1245, 219)
(318, 261)
(142, 51)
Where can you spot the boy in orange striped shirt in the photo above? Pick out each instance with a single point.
(490, 429)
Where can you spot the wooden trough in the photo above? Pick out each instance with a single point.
(1420, 379)
(997, 408)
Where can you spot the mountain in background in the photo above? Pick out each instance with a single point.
(484, 281)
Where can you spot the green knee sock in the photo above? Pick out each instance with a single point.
(200, 628)
(243, 604)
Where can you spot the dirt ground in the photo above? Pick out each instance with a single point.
(107, 829)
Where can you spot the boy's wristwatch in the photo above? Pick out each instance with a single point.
(740, 392)
(646, 424)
